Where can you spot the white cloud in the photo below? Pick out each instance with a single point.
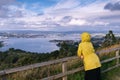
(94, 14)
(77, 22)
(100, 23)
(66, 4)
(63, 5)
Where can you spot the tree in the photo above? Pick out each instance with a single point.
(68, 48)
(109, 39)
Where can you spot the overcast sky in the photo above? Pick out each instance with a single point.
(60, 15)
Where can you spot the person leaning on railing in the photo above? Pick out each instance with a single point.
(90, 59)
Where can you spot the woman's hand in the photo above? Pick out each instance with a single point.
(81, 56)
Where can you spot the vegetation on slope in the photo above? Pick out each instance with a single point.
(15, 57)
(112, 74)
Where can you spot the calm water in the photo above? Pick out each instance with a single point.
(41, 44)
(30, 44)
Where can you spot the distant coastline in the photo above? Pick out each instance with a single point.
(41, 41)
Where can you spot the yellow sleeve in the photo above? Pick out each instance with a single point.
(79, 51)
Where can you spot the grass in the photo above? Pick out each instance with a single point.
(113, 74)
(38, 73)
(76, 76)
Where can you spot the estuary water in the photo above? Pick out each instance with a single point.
(30, 44)
(40, 44)
(38, 41)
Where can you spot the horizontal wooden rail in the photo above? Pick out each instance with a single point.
(108, 50)
(63, 61)
(81, 68)
(63, 74)
(111, 68)
(8, 71)
(111, 59)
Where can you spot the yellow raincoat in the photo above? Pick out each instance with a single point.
(86, 49)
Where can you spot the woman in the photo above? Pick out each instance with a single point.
(91, 61)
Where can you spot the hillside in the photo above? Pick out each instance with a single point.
(16, 58)
(53, 69)
(112, 74)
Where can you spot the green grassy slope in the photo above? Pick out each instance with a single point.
(113, 74)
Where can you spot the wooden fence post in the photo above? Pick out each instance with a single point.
(4, 77)
(117, 56)
(64, 69)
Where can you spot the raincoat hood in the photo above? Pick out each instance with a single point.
(85, 37)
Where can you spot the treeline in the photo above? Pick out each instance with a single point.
(110, 39)
(16, 57)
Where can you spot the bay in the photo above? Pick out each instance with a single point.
(39, 41)
(41, 45)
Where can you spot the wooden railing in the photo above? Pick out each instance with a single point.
(64, 73)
